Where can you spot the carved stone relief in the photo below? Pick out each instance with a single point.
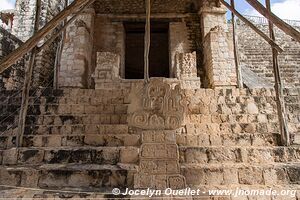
(160, 105)
(186, 65)
(108, 66)
(158, 108)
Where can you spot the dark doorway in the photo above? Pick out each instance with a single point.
(159, 50)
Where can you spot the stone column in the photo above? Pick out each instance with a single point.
(76, 62)
(24, 19)
(217, 46)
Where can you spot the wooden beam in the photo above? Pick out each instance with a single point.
(246, 21)
(235, 48)
(147, 40)
(275, 20)
(285, 137)
(33, 41)
(27, 81)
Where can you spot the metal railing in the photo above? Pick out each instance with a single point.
(264, 21)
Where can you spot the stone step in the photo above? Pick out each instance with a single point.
(14, 192)
(232, 128)
(58, 176)
(67, 92)
(73, 140)
(54, 120)
(242, 174)
(87, 119)
(71, 129)
(83, 155)
(63, 109)
(242, 154)
(232, 118)
(225, 139)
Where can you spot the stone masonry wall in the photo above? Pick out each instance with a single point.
(23, 29)
(76, 63)
(109, 36)
(219, 59)
(256, 54)
(24, 19)
(11, 78)
(45, 60)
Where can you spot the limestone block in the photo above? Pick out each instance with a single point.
(160, 182)
(294, 174)
(29, 178)
(196, 157)
(129, 155)
(94, 140)
(214, 176)
(270, 176)
(250, 176)
(12, 178)
(132, 140)
(195, 176)
(10, 156)
(223, 155)
(30, 156)
(252, 108)
(52, 141)
(142, 180)
(231, 176)
(296, 139)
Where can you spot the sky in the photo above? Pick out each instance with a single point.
(285, 9)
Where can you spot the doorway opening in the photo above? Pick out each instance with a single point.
(134, 50)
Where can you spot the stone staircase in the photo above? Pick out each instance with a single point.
(78, 143)
(232, 141)
(74, 139)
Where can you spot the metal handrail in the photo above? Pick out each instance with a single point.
(264, 21)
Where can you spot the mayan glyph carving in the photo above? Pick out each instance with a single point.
(186, 65)
(108, 66)
(159, 150)
(159, 105)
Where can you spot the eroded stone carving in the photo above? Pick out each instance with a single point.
(186, 65)
(159, 150)
(108, 66)
(160, 105)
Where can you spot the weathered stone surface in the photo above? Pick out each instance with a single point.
(158, 106)
(108, 66)
(186, 65)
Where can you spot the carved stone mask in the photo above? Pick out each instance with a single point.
(157, 95)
